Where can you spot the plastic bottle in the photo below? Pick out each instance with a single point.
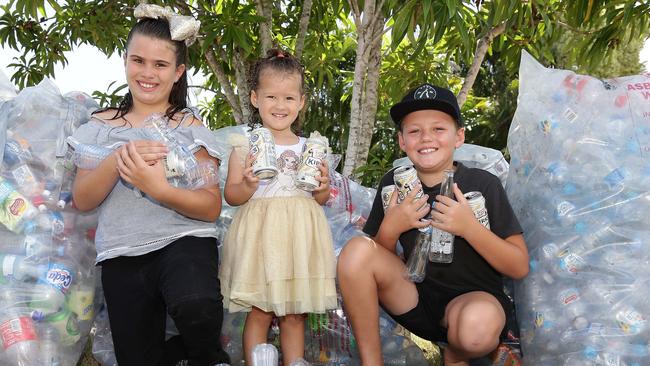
(264, 354)
(86, 156)
(18, 338)
(179, 160)
(16, 267)
(46, 299)
(49, 348)
(15, 209)
(442, 245)
(417, 262)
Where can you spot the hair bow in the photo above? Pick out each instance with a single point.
(181, 27)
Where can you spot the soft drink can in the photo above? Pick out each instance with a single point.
(314, 151)
(386, 194)
(406, 179)
(477, 202)
(262, 146)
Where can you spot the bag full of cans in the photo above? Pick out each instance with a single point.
(47, 278)
(580, 185)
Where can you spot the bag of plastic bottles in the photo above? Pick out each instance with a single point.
(47, 280)
(580, 184)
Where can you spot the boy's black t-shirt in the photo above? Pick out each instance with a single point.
(469, 271)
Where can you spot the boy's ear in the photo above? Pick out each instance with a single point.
(400, 138)
(460, 137)
(254, 99)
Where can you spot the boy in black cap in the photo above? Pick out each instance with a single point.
(461, 303)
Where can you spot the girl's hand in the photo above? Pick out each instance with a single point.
(324, 178)
(406, 215)
(149, 178)
(250, 179)
(454, 217)
(150, 150)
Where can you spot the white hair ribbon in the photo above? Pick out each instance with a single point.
(182, 27)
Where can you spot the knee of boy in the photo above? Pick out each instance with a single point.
(354, 255)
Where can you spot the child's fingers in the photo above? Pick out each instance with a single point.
(460, 197)
(250, 158)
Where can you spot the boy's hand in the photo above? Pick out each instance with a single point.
(454, 217)
(407, 214)
(250, 180)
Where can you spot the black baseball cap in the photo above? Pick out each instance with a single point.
(427, 96)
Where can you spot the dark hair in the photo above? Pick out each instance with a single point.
(280, 61)
(158, 29)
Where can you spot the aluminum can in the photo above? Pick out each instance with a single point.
(386, 193)
(314, 151)
(406, 179)
(477, 203)
(262, 146)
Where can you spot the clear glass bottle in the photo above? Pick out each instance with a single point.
(417, 261)
(442, 245)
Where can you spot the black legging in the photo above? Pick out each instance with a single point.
(181, 279)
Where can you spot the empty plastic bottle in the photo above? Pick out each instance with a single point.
(264, 354)
(49, 348)
(86, 156)
(18, 338)
(179, 160)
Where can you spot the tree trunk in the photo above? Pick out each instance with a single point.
(265, 9)
(358, 140)
(242, 71)
(479, 55)
(302, 28)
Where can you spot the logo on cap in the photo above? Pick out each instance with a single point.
(425, 92)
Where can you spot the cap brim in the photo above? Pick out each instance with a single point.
(400, 110)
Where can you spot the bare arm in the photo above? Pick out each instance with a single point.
(200, 204)
(402, 217)
(91, 187)
(240, 183)
(509, 256)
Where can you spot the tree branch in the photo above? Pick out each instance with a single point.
(302, 28)
(479, 55)
(225, 85)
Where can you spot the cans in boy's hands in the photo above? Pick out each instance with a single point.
(477, 203)
(262, 147)
(386, 194)
(314, 151)
(406, 179)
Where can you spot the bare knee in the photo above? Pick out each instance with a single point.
(478, 326)
(260, 316)
(355, 257)
(292, 320)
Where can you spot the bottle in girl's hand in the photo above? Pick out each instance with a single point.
(86, 156)
(179, 159)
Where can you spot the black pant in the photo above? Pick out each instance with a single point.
(181, 279)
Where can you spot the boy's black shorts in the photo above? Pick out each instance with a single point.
(424, 320)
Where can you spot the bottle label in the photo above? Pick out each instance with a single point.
(60, 277)
(17, 330)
